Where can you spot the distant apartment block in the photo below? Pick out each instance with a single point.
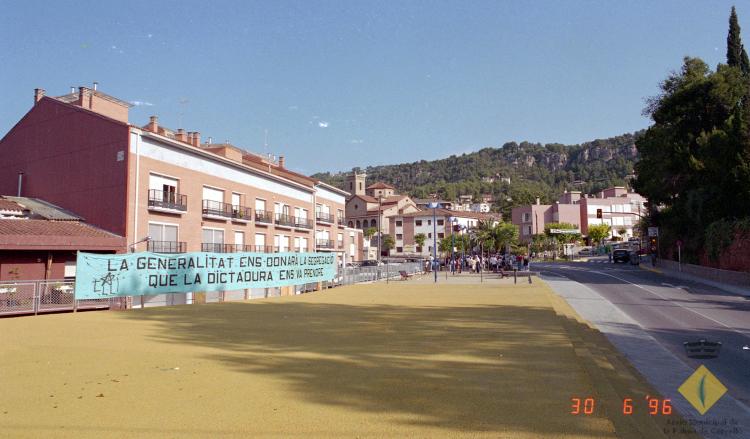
(405, 227)
(80, 152)
(620, 209)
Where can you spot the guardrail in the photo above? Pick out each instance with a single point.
(44, 296)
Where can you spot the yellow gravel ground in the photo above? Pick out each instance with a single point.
(407, 359)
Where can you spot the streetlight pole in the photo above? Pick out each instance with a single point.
(380, 201)
(453, 222)
(434, 207)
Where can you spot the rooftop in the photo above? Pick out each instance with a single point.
(380, 185)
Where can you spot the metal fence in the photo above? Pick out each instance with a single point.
(40, 296)
(385, 272)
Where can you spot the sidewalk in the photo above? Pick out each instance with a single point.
(734, 289)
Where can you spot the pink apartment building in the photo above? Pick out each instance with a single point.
(80, 152)
(620, 209)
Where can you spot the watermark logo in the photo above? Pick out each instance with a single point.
(702, 389)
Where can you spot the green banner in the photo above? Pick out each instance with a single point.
(101, 276)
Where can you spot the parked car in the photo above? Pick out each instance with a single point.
(621, 255)
(371, 263)
(585, 252)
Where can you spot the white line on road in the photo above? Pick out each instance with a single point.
(665, 298)
(667, 285)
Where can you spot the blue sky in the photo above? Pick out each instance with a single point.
(351, 83)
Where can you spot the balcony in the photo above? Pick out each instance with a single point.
(263, 217)
(261, 248)
(168, 202)
(241, 214)
(303, 223)
(323, 217)
(217, 210)
(284, 220)
(324, 243)
(213, 248)
(341, 221)
(238, 248)
(166, 246)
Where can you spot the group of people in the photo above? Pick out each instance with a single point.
(474, 263)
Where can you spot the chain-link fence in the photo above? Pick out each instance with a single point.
(34, 297)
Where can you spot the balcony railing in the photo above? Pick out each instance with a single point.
(217, 208)
(263, 216)
(212, 247)
(324, 243)
(284, 220)
(166, 246)
(241, 213)
(261, 248)
(341, 220)
(324, 217)
(164, 200)
(303, 223)
(339, 244)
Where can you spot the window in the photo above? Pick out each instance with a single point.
(239, 241)
(260, 241)
(163, 186)
(303, 244)
(213, 240)
(340, 214)
(351, 186)
(429, 222)
(297, 243)
(260, 204)
(526, 217)
(236, 199)
(441, 235)
(418, 222)
(399, 223)
(429, 249)
(360, 185)
(429, 235)
(212, 194)
(440, 222)
(163, 238)
(70, 270)
(399, 249)
(372, 223)
(399, 236)
(358, 225)
(356, 206)
(528, 230)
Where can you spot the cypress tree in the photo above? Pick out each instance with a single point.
(736, 55)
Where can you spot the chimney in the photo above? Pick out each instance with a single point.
(38, 94)
(537, 201)
(81, 97)
(72, 89)
(153, 124)
(210, 139)
(181, 135)
(281, 161)
(190, 137)
(196, 139)
(96, 85)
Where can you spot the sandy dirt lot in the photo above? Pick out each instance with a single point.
(406, 359)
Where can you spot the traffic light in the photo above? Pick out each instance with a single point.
(652, 243)
(599, 213)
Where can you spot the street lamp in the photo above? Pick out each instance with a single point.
(434, 206)
(144, 239)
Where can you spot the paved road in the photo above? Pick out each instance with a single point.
(673, 311)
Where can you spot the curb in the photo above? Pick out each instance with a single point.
(654, 270)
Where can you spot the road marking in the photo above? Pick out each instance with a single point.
(667, 285)
(669, 300)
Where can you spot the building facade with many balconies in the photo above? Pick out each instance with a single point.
(80, 152)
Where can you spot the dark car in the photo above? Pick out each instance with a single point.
(620, 255)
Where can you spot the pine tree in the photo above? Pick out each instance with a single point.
(736, 55)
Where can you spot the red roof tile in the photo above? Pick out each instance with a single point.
(380, 185)
(9, 205)
(74, 235)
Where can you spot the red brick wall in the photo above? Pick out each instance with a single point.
(69, 158)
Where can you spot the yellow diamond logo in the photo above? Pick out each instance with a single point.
(702, 389)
